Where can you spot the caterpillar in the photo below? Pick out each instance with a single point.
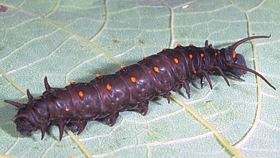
(129, 89)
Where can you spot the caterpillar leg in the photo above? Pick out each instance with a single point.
(187, 87)
(234, 76)
(141, 108)
(110, 119)
(205, 76)
(77, 126)
(167, 96)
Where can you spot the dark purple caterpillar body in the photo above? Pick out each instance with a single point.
(131, 88)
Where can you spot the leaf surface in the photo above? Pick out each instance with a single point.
(68, 40)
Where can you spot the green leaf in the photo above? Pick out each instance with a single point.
(68, 40)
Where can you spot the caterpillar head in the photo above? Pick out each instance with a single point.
(235, 63)
(29, 117)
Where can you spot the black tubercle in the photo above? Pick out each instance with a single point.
(129, 89)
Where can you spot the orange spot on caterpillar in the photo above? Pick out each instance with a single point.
(176, 60)
(201, 55)
(67, 109)
(97, 75)
(233, 54)
(144, 57)
(133, 79)
(80, 94)
(72, 82)
(190, 56)
(179, 45)
(156, 69)
(216, 54)
(194, 71)
(108, 87)
(163, 49)
(190, 44)
(122, 67)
